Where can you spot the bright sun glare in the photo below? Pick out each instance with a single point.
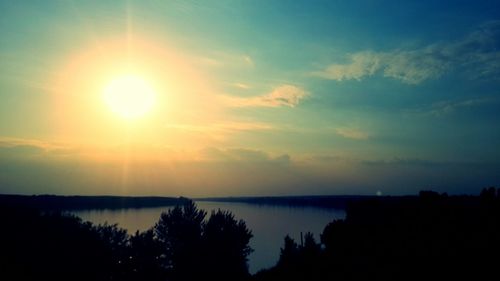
(129, 96)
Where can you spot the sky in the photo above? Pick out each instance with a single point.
(249, 97)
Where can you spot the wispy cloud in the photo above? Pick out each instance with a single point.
(284, 95)
(248, 60)
(477, 55)
(225, 126)
(399, 161)
(447, 107)
(36, 145)
(241, 86)
(352, 133)
(411, 67)
(19, 147)
(361, 64)
(225, 59)
(242, 155)
(217, 132)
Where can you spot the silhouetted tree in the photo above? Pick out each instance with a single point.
(47, 245)
(289, 253)
(52, 246)
(310, 245)
(146, 257)
(297, 262)
(226, 246)
(488, 194)
(179, 231)
(193, 248)
(400, 238)
(429, 195)
(114, 241)
(334, 234)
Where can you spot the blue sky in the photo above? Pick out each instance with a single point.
(253, 97)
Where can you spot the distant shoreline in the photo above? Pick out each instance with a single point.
(317, 201)
(77, 202)
(60, 202)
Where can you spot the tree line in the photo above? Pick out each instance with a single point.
(183, 245)
(431, 236)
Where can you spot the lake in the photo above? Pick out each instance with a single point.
(269, 224)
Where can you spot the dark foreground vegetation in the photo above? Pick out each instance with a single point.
(430, 236)
(46, 245)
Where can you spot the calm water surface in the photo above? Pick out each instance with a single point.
(269, 224)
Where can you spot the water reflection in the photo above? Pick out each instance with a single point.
(269, 224)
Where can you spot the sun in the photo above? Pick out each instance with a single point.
(129, 96)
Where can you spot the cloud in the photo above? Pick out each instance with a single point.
(21, 150)
(241, 86)
(361, 64)
(217, 172)
(241, 155)
(40, 152)
(248, 61)
(284, 95)
(223, 59)
(19, 146)
(414, 67)
(447, 107)
(477, 55)
(404, 162)
(225, 127)
(352, 133)
(222, 171)
(411, 67)
(14, 142)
